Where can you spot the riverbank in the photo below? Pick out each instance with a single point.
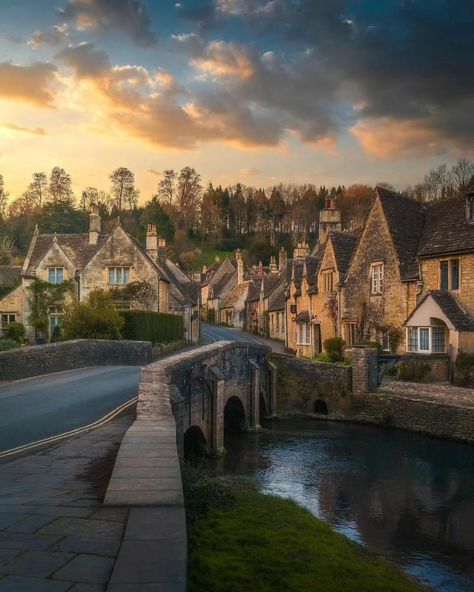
(241, 539)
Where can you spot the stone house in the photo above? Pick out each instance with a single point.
(95, 260)
(217, 282)
(10, 281)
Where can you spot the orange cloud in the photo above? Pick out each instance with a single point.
(32, 84)
(225, 59)
(15, 127)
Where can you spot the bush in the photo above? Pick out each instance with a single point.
(465, 369)
(413, 370)
(334, 347)
(7, 344)
(157, 327)
(374, 344)
(16, 331)
(95, 318)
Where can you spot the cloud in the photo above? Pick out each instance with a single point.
(35, 131)
(85, 60)
(128, 16)
(225, 59)
(32, 84)
(56, 36)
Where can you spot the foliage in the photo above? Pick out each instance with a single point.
(331, 308)
(62, 218)
(16, 331)
(6, 344)
(59, 188)
(140, 294)
(322, 357)
(465, 369)
(375, 344)
(395, 337)
(6, 250)
(334, 347)
(123, 189)
(41, 296)
(157, 327)
(240, 540)
(413, 370)
(95, 318)
(154, 213)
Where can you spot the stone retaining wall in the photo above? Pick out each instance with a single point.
(35, 360)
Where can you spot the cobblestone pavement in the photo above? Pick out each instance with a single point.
(445, 394)
(55, 535)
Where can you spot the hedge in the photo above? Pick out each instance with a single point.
(157, 327)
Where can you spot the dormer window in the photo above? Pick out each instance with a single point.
(56, 275)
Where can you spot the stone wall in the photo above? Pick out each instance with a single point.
(69, 355)
(302, 382)
(428, 417)
(439, 366)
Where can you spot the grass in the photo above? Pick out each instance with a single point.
(207, 256)
(242, 540)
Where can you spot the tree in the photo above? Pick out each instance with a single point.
(189, 193)
(461, 173)
(166, 187)
(95, 318)
(37, 190)
(3, 198)
(89, 196)
(61, 217)
(154, 213)
(123, 189)
(6, 250)
(59, 188)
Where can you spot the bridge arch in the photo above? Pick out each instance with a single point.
(194, 443)
(320, 407)
(235, 419)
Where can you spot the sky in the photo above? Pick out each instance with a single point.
(252, 91)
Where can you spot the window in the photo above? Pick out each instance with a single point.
(329, 281)
(293, 308)
(377, 278)
(449, 276)
(426, 340)
(55, 322)
(7, 318)
(119, 276)
(304, 336)
(56, 275)
(351, 334)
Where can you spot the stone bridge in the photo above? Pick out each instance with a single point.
(185, 404)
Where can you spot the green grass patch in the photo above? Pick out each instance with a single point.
(242, 540)
(207, 256)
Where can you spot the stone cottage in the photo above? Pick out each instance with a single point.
(96, 260)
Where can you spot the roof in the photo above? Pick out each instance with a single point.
(303, 317)
(75, 246)
(9, 275)
(277, 300)
(344, 245)
(235, 294)
(405, 219)
(447, 229)
(219, 286)
(459, 318)
(187, 287)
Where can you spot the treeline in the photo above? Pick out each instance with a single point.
(187, 214)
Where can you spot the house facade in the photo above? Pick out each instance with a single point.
(96, 260)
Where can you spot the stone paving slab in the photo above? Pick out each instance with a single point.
(55, 534)
(445, 394)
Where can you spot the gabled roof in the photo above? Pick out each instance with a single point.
(277, 300)
(187, 287)
(219, 286)
(454, 312)
(344, 245)
(9, 275)
(235, 294)
(405, 218)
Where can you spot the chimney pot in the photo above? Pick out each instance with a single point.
(95, 224)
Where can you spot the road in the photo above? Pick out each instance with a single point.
(38, 408)
(213, 333)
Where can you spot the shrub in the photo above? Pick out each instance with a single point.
(374, 344)
(334, 347)
(95, 318)
(465, 369)
(16, 331)
(413, 370)
(7, 344)
(157, 327)
(323, 357)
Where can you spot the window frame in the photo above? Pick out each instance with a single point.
(55, 271)
(377, 281)
(116, 271)
(328, 280)
(351, 328)
(303, 333)
(417, 331)
(448, 265)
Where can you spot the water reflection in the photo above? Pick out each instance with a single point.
(408, 497)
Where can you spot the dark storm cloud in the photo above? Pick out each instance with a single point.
(129, 16)
(394, 61)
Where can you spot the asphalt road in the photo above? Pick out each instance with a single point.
(45, 406)
(213, 333)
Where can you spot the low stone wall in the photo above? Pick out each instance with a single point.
(439, 366)
(302, 382)
(416, 415)
(35, 360)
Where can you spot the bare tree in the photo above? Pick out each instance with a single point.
(331, 307)
(3, 197)
(60, 186)
(123, 190)
(6, 250)
(189, 194)
(462, 172)
(166, 187)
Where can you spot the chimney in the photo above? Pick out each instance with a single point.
(260, 269)
(240, 267)
(273, 264)
(152, 242)
(301, 251)
(162, 252)
(282, 259)
(95, 224)
(329, 219)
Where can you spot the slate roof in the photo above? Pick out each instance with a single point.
(235, 294)
(461, 320)
(277, 300)
(447, 229)
(9, 275)
(187, 287)
(405, 218)
(344, 245)
(222, 283)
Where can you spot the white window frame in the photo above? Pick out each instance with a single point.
(54, 271)
(430, 350)
(119, 274)
(376, 278)
(303, 334)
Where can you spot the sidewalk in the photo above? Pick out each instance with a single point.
(55, 534)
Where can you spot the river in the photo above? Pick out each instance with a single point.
(404, 496)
